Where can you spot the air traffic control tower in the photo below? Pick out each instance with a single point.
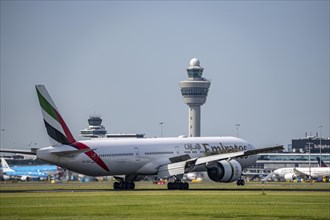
(194, 91)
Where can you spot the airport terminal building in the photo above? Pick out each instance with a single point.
(314, 144)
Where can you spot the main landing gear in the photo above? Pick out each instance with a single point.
(123, 185)
(126, 183)
(179, 185)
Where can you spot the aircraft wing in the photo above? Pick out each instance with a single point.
(299, 173)
(186, 166)
(31, 152)
(264, 150)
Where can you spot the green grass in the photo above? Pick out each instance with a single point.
(58, 201)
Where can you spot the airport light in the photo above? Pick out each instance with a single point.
(320, 127)
(161, 128)
(309, 157)
(237, 127)
(2, 138)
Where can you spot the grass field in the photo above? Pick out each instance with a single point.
(96, 201)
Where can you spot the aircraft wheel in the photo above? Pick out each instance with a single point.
(185, 186)
(116, 186)
(131, 185)
(177, 186)
(123, 185)
(240, 182)
(126, 185)
(170, 186)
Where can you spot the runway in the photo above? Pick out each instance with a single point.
(39, 187)
(75, 200)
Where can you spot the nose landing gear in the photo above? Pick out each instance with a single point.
(240, 182)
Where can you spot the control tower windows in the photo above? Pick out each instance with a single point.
(195, 73)
(194, 91)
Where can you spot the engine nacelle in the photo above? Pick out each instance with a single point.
(24, 178)
(225, 171)
(5, 177)
(289, 176)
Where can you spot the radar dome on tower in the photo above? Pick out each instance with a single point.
(194, 62)
(194, 69)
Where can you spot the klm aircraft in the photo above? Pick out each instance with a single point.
(25, 173)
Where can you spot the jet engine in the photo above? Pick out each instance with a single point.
(25, 178)
(224, 171)
(289, 176)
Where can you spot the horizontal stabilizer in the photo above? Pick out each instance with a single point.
(15, 151)
(71, 153)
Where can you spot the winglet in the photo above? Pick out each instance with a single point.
(57, 130)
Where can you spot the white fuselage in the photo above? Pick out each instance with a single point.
(141, 156)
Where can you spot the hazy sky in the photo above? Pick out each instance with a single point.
(268, 62)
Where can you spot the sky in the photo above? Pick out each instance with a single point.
(268, 63)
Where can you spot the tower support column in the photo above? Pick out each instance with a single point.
(194, 120)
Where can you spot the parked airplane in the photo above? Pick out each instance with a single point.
(130, 160)
(292, 173)
(24, 173)
(289, 173)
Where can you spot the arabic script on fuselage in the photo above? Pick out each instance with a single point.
(215, 149)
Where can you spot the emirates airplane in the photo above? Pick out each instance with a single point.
(130, 160)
